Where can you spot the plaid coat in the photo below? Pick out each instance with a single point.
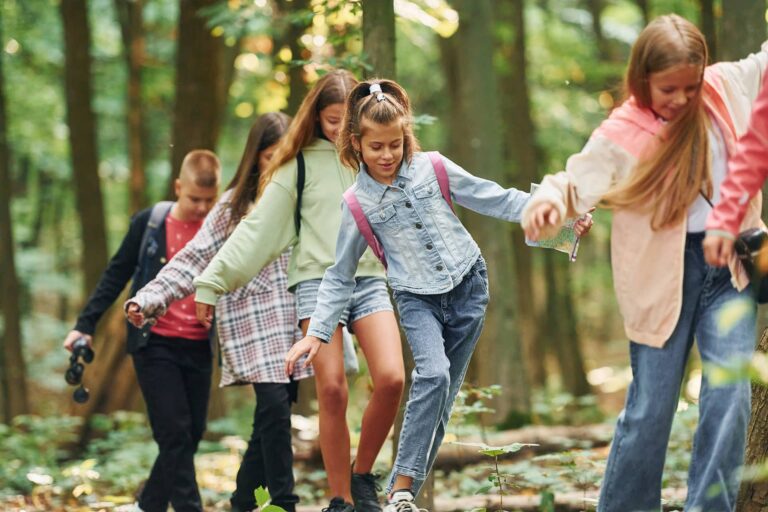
(256, 324)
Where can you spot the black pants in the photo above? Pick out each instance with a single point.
(175, 378)
(268, 461)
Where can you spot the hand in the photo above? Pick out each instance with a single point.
(307, 345)
(134, 314)
(717, 250)
(204, 313)
(74, 336)
(542, 218)
(584, 224)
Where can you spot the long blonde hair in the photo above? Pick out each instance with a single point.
(331, 89)
(667, 180)
(394, 106)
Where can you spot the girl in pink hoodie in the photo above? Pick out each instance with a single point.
(657, 161)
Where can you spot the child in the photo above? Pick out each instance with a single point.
(652, 161)
(173, 358)
(256, 325)
(747, 171)
(269, 229)
(435, 269)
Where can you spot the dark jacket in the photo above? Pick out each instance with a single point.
(127, 264)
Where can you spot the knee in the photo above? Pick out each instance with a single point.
(436, 377)
(390, 385)
(333, 397)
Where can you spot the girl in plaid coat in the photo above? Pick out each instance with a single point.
(256, 325)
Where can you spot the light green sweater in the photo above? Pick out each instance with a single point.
(269, 228)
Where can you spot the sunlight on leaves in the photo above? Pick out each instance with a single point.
(732, 313)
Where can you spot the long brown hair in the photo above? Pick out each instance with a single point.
(667, 180)
(331, 89)
(393, 105)
(266, 131)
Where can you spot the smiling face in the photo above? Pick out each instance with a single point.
(673, 89)
(381, 149)
(330, 120)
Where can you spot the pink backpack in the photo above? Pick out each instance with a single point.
(362, 221)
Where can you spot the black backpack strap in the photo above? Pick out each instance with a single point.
(300, 175)
(156, 218)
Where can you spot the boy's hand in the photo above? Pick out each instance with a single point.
(75, 335)
(543, 218)
(307, 345)
(134, 314)
(584, 224)
(717, 250)
(204, 313)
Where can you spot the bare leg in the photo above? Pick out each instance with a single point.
(332, 396)
(379, 338)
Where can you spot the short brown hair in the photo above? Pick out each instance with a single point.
(393, 106)
(202, 167)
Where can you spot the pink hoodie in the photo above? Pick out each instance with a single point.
(747, 170)
(647, 264)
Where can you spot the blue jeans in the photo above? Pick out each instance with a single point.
(632, 480)
(442, 331)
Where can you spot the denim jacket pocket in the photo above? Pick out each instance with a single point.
(384, 218)
(428, 194)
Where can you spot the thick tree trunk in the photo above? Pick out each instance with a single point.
(379, 37)
(291, 37)
(520, 148)
(82, 137)
(129, 15)
(479, 150)
(708, 27)
(753, 496)
(201, 83)
(13, 380)
(744, 22)
(596, 9)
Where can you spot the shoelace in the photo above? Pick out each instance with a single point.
(408, 506)
(333, 506)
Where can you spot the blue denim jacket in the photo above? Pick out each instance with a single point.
(428, 250)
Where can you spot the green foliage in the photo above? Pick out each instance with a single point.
(564, 409)
(262, 498)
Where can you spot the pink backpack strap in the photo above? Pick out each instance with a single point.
(364, 226)
(442, 176)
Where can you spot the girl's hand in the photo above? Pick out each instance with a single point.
(307, 345)
(717, 250)
(542, 218)
(584, 224)
(204, 314)
(134, 314)
(74, 336)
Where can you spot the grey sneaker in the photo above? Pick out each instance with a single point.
(364, 488)
(338, 504)
(402, 501)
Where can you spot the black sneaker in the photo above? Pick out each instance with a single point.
(338, 504)
(364, 488)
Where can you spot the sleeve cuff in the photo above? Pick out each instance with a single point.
(721, 233)
(206, 296)
(320, 332)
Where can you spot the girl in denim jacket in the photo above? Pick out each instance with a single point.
(657, 161)
(434, 267)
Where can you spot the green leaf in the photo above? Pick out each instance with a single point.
(262, 496)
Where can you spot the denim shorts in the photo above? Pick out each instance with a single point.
(370, 296)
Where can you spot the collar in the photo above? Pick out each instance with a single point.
(377, 190)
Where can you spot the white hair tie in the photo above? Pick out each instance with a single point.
(376, 89)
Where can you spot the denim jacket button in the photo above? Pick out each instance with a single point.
(418, 225)
(439, 268)
(430, 247)
(408, 204)
(381, 214)
(163, 260)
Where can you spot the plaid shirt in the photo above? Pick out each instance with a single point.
(256, 324)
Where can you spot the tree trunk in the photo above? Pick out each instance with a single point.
(82, 137)
(201, 80)
(521, 150)
(13, 379)
(708, 27)
(129, 15)
(291, 38)
(379, 37)
(744, 21)
(562, 334)
(479, 150)
(596, 9)
(753, 496)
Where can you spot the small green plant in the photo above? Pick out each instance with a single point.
(498, 480)
(262, 498)
(471, 403)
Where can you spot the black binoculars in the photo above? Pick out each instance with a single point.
(74, 374)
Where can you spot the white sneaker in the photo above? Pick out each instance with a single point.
(402, 501)
(132, 507)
